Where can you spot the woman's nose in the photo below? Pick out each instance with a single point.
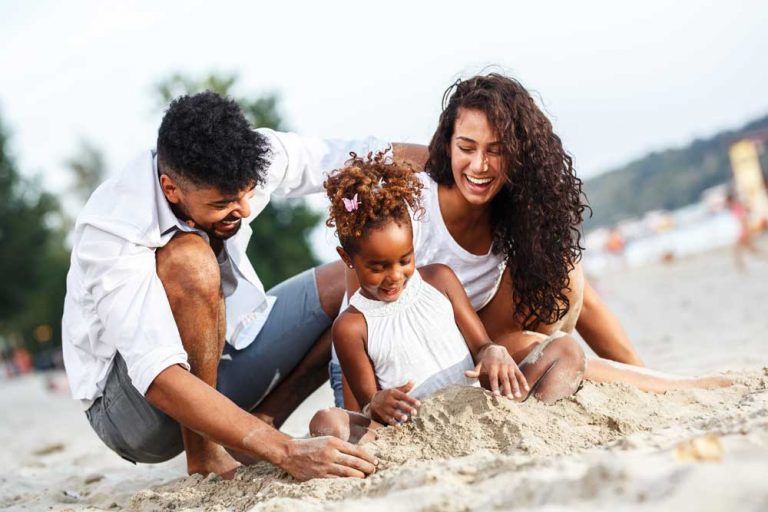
(480, 162)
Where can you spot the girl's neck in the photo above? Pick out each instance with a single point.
(468, 224)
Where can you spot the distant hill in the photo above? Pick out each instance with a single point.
(667, 179)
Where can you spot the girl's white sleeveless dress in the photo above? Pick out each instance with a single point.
(415, 338)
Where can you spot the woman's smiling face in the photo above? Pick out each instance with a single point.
(476, 157)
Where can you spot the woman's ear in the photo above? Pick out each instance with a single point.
(346, 258)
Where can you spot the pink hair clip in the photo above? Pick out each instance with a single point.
(351, 204)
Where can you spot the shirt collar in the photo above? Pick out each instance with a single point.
(167, 220)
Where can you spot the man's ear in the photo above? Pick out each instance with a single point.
(170, 189)
(346, 258)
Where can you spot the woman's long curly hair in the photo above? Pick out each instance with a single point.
(536, 216)
(385, 192)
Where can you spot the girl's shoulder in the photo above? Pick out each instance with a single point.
(349, 326)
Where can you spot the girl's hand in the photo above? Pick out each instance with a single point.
(498, 372)
(394, 406)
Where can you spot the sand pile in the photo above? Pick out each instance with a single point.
(476, 436)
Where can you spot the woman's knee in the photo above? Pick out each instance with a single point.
(563, 363)
(569, 353)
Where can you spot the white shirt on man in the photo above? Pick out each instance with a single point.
(115, 300)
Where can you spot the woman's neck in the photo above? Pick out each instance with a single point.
(468, 224)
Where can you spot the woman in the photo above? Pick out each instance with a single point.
(504, 209)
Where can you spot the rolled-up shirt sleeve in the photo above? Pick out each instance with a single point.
(300, 164)
(133, 312)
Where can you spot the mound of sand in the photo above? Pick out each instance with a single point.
(464, 436)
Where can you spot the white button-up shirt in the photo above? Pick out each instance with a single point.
(115, 300)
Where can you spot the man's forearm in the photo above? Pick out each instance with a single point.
(204, 410)
(602, 330)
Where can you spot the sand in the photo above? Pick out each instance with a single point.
(609, 446)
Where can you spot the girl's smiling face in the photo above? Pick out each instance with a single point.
(384, 260)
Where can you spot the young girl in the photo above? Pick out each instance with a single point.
(408, 332)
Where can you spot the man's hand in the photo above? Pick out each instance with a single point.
(394, 406)
(498, 372)
(327, 457)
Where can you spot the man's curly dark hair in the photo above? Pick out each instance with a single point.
(536, 216)
(205, 139)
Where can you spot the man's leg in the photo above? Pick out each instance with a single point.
(288, 360)
(312, 370)
(189, 272)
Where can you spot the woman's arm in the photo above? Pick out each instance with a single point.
(602, 330)
(388, 406)
(495, 367)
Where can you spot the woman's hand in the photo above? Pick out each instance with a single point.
(394, 406)
(498, 372)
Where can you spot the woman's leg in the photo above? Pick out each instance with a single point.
(348, 426)
(603, 370)
(553, 365)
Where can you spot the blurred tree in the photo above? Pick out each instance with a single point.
(279, 247)
(32, 257)
(88, 169)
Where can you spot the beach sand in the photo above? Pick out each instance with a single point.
(609, 446)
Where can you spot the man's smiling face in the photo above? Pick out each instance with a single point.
(207, 208)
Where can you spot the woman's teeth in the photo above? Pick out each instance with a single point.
(478, 181)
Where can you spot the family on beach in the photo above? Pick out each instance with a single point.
(459, 265)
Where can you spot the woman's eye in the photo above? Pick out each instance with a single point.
(466, 150)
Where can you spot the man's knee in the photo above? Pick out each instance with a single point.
(331, 286)
(187, 265)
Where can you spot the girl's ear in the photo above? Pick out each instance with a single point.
(346, 258)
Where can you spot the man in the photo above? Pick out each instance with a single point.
(169, 339)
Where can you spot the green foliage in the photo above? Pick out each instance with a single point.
(666, 180)
(279, 247)
(32, 256)
(88, 169)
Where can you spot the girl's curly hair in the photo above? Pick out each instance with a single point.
(536, 216)
(384, 190)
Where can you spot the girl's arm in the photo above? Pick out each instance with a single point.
(388, 406)
(495, 367)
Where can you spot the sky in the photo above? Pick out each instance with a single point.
(618, 79)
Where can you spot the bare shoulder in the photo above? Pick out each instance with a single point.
(349, 327)
(439, 275)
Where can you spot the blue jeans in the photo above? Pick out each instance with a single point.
(334, 373)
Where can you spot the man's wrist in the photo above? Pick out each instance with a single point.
(274, 447)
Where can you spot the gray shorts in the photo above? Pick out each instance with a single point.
(139, 432)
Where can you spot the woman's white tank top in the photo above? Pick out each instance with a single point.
(432, 243)
(415, 338)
